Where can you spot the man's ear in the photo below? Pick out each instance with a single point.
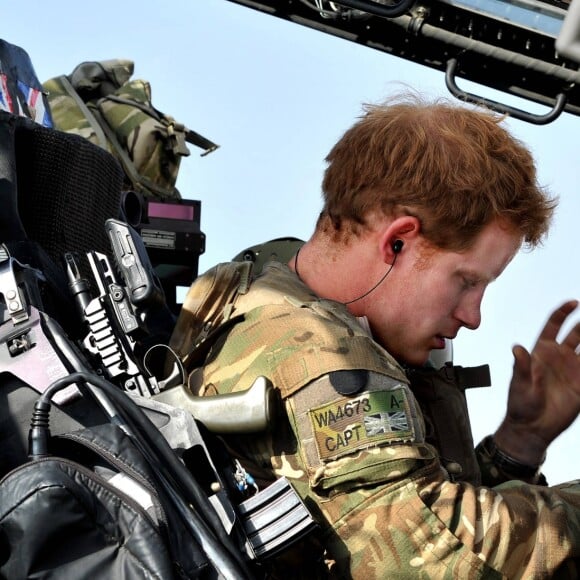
(398, 233)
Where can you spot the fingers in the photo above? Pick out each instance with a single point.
(556, 320)
(572, 340)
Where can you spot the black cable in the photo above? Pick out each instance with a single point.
(359, 297)
(148, 437)
(376, 285)
(394, 11)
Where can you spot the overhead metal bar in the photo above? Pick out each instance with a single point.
(515, 57)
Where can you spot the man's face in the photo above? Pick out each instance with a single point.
(432, 293)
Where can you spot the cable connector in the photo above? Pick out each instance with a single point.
(39, 432)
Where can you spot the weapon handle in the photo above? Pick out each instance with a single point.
(248, 411)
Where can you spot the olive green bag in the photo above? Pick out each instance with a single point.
(100, 102)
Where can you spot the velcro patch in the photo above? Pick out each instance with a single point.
(349, 424)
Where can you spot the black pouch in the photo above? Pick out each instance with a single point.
(441, 396)
(91, 510)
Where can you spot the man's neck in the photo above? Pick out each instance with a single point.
(336, 271)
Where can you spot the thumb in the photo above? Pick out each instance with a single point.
(522, 362)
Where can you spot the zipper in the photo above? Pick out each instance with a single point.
(163, 526)
(122, 467)
(93, 477)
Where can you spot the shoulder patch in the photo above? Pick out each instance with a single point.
(349, 382)
(371, 419)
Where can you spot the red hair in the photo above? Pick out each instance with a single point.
(453, 167)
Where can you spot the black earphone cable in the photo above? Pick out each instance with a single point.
(376, 285)
(397, 247)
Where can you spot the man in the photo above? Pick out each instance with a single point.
(424, 206)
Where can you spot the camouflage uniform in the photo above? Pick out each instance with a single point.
(350, 436)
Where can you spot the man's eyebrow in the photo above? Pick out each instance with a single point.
(476, 276)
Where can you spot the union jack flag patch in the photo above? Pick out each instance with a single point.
(385, 423)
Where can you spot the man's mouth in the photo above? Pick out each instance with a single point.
(441, 339)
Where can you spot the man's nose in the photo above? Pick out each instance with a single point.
(468, 312)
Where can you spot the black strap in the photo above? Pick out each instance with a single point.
(95, 125)
(140, 182)
(190, 136)
(471, 377)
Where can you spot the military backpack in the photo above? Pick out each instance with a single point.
(100, 102)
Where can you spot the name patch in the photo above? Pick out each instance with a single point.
(349, 424)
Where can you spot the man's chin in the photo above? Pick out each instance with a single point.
(415, 359)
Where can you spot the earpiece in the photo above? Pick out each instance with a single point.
(397, 247)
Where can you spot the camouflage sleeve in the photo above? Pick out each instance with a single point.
(388, 509)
